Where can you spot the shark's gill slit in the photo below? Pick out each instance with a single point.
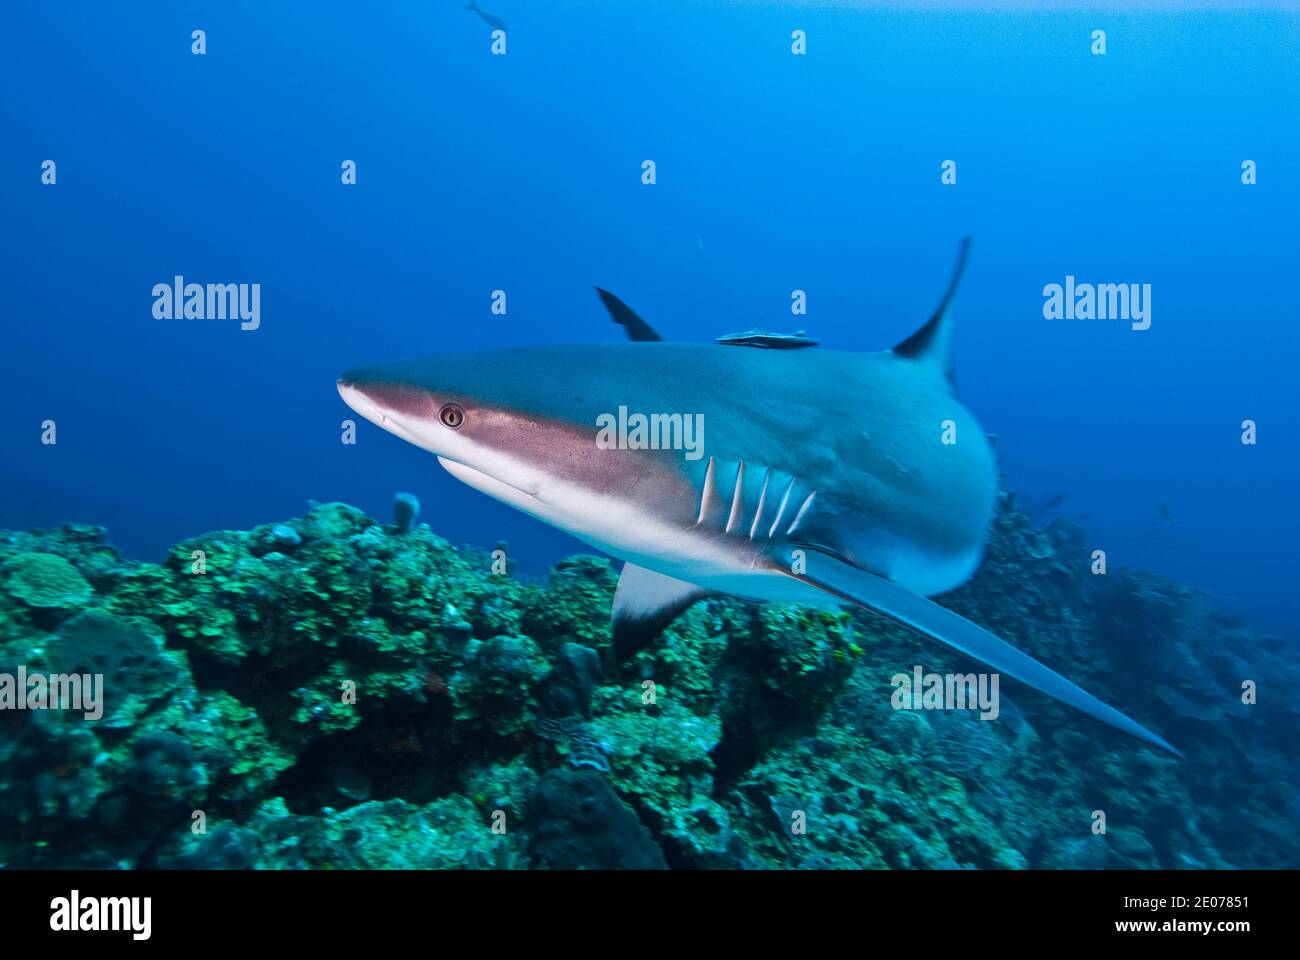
(705, 492)
(780, 511)
(762, 502)
(711, 505)
(803, 512)
(737, 499)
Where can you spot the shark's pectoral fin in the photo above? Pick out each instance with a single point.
(854, 585)
(644, 603)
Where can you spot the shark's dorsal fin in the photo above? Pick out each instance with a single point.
(637, 329)
(932, 344)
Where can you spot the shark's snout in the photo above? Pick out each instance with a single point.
(382, 402)
(360, 399)
(355, 397)
(436, 421)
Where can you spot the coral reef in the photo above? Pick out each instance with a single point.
(331, 692)
(406, 510)
(46, 580)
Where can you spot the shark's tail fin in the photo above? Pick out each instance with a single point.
(901, 605)
(932, 343)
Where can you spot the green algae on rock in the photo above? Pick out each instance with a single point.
(330, 692)
(46, 580)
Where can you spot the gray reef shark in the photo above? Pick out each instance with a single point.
(825, 478)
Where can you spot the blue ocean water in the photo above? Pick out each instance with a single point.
(522, 173)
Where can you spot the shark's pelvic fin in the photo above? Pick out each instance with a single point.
(644, 603)
(865, 589)
(932, 344)
(627, 318)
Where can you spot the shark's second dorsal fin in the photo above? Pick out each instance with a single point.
(932, 343)
(627, 318)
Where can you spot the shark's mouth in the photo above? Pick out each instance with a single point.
(492, 486)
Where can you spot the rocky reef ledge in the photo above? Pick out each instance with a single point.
(334, 692)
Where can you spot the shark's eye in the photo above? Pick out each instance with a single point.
(452, 415)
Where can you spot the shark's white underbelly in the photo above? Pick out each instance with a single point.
(624, 530)
(710, 558)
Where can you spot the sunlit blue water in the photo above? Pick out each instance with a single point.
(522, 172)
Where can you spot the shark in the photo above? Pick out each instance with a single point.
(830, 478)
